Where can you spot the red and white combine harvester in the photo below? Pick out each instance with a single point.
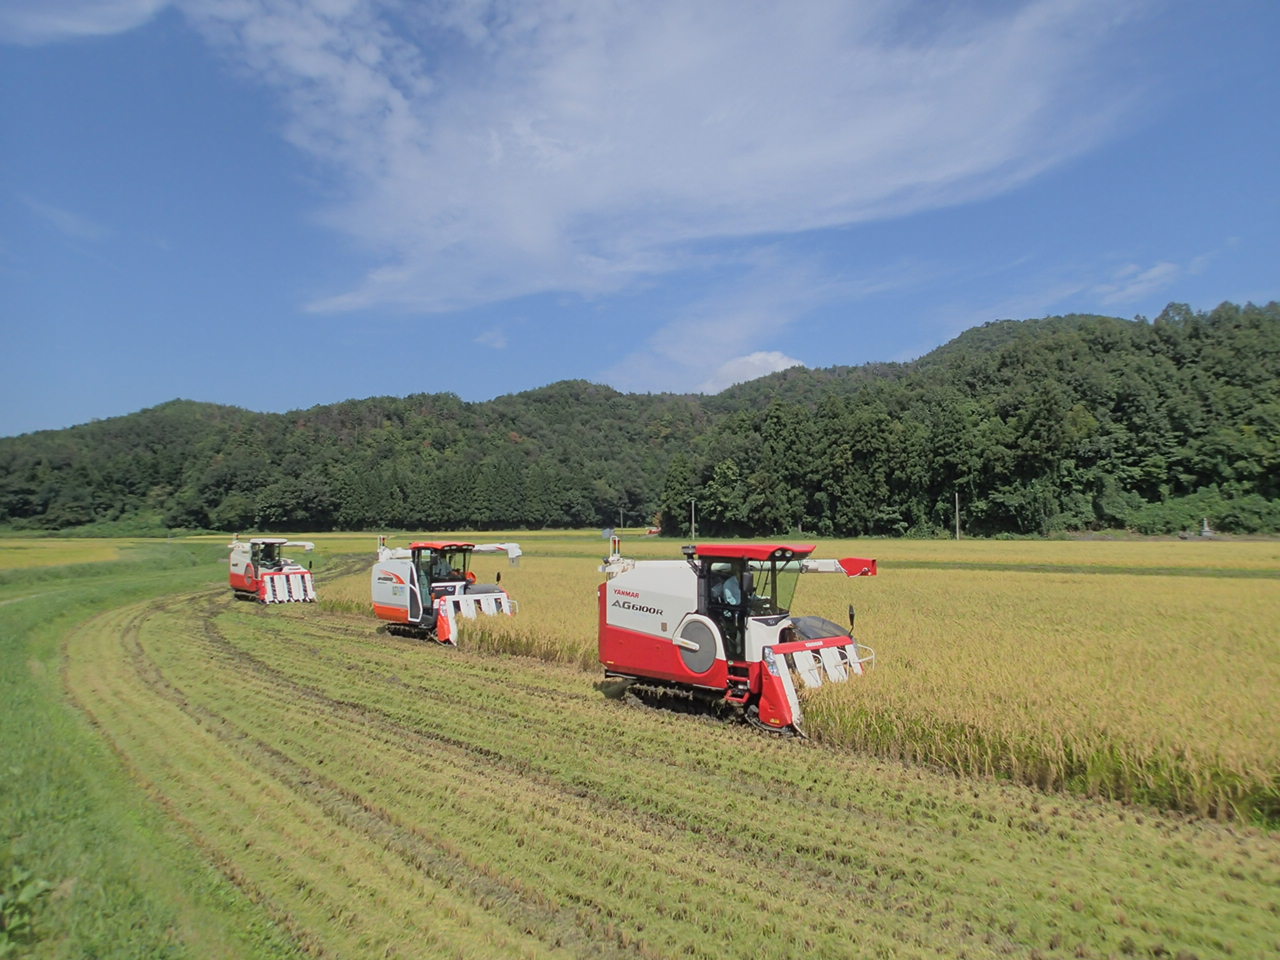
(421, 590)
(259, 572)
(717, 625)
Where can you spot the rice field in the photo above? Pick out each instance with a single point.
(1065, 750)
(1155, 689)
(1140, 671)
(383, 798)
(24, 552)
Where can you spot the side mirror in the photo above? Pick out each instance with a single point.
(852, 615)
(748, 585)
(497, 577)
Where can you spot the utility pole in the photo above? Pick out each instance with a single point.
(693, 519)
(957, 514)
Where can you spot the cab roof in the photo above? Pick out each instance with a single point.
(756, 551)
(441, 545)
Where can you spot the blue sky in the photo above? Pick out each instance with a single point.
(278, 203)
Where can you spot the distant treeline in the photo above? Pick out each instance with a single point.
(1065, 423)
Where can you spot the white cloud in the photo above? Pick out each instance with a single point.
(721, 339)
(1132, 282)
(495, 338)
(65, 222)
(43, 21)
(1092, 289)
(487, 149)
(749, 367)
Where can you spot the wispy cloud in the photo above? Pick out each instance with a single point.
(1078, 289)
(724, 337)
(495, 338)
(1132, 282)
(44, 21)
(69, 224)
(486, 149)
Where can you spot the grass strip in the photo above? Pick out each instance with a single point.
(126, 884)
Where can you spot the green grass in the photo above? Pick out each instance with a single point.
(126, 883)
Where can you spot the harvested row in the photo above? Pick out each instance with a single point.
(579, 844)
(388, 798)
(290, 847)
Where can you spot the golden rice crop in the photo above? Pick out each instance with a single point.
(1194, 554)
(1057, 663)
(18, 552)
(1153, 688)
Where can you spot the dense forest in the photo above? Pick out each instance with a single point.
(1064, 423)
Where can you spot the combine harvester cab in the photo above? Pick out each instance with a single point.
(718, 626)
(422, 590)
(259, 572)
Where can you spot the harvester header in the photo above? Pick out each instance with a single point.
(259, 571)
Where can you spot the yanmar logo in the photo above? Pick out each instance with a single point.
(627, 593)
(636, 607)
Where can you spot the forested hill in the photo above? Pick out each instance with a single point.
(1077, 422)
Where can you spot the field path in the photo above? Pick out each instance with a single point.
(383, 798)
